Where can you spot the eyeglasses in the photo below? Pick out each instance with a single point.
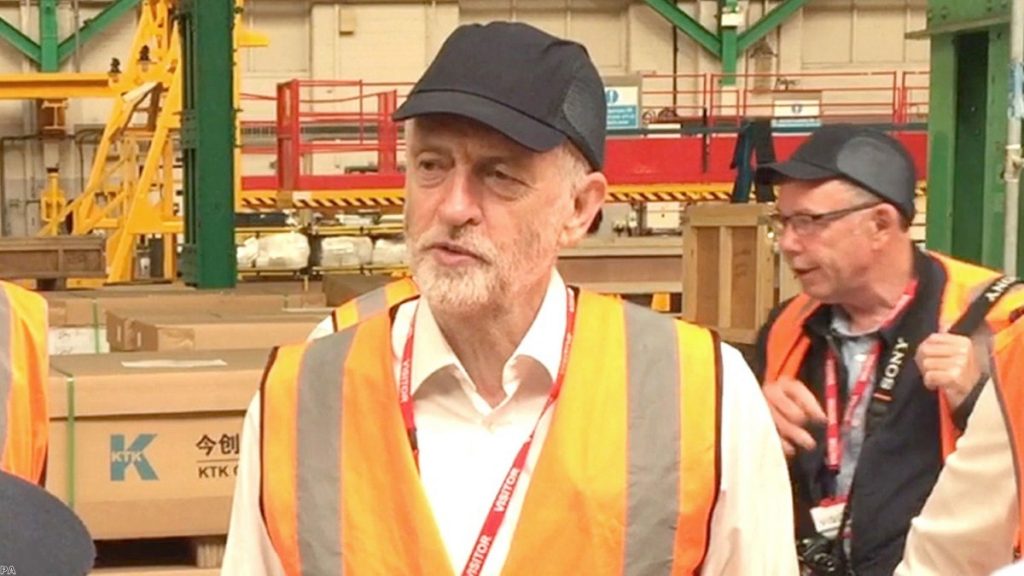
(805, 223)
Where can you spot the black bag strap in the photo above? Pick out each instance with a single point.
(966, 325)
(975, 314)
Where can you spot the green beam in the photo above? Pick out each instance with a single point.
(970, 148)
(942, 123)
(687, 25)
(992, 203)
(49, 39)
(16, 38)
(95, 25)
(208, 142)
(774, 18)
(943, 12)
(728, 9)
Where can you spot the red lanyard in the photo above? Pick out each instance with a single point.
(860, 386)
(482, 547)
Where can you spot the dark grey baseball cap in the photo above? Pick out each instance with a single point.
(535, 88)
(865, 156)
(39, 534)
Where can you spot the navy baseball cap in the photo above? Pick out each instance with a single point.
(535, 88)
(864, 156)
(39, 534)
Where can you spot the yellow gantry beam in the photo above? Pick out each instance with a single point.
(386, 198)
(55, 86)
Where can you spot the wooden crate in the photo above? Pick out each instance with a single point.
(729, 268)
(52, 258)
(160, 557)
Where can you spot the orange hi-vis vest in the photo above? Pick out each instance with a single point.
(626, 481)
(24, 427)
(787, 346)
(368, 304)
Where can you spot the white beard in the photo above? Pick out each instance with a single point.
(457, 291)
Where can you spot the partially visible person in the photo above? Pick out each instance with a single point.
(365, 305)
(873, 371)
(1015, 569)
(970, 521)
(39, 535)
(24, 367)
(494, 420)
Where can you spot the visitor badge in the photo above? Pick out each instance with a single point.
(827, 518)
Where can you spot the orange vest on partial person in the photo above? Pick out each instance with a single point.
(24, 425)
(341, 492)
(365, 305)
(787, 345)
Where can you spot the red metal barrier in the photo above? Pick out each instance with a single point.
(863, 96)
(914, 93)
(320, 120)
(668, 98)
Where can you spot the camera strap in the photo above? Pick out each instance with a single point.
(966, 324)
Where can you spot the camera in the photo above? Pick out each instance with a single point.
(816, 558)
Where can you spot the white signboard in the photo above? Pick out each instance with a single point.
(623, 107)
(804, 112)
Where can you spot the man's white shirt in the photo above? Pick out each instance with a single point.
(466, 448)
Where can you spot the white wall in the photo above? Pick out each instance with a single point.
(380, 41)
(393, 42)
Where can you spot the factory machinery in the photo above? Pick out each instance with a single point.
(327, 157)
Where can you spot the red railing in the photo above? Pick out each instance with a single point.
(914, 92)
(866, 96)
(317, 119)
(674, 97)
(339, 134)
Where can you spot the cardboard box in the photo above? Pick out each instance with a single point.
(211, 333)
(340, 288)
(89, 307)
(77, 340)
(122, 325)
(153, 446)
(123, 334)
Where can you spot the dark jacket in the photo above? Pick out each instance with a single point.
(901, 456)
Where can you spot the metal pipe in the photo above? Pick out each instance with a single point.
(5, 227)
(81, 138)
(1011, 174)
(76, 9)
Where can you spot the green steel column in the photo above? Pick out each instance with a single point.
(16, 38)
(967, 129)
(941, 144)
(728, 44)
(728, 10)
(48, 53)
(770, 21)
(49, 39)
(687, 25)
(94, 26)
(208, 141)
(993, 200)
(971, 150)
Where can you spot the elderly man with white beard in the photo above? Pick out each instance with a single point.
(483, 417)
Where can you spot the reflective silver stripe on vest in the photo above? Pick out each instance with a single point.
(652, 442)
(6, 375)
(371, 303)
(318, 473)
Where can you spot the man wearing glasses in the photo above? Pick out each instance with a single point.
(889, 359)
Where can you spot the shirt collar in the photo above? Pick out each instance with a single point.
(542, 342)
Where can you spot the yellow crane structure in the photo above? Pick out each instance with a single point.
(131, 192)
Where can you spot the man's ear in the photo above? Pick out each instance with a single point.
(587, 200)
(887, 220)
